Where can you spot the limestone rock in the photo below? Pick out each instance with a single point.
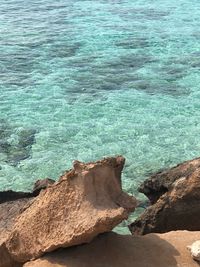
(5, 258)
(113, 250)
(86, 201)
(161, 182)
(177, 209)
(9, 211)
(12, 204)
(195, 250)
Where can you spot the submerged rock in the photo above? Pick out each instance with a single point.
(113, 250)
(17, 148)
(177, 192)
(22, 149)
(87, 200)
(26, 137)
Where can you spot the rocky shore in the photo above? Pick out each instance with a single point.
(69, 222)
(175, 198)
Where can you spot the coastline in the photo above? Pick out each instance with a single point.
(178, 186)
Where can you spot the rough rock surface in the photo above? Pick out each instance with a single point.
(12, 204)
(8, 214)
(86, 201)
(195, 250)
(177, 209)
(5, 258)
(113, 250)
(9, 211)
(161, 182)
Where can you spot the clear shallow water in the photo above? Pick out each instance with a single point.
(87, 79)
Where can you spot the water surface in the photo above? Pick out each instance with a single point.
(87, 79)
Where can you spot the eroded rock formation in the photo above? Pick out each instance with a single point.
(86, 201)
(177, 192)
(21, 150)
(9, 211)
(12, 204)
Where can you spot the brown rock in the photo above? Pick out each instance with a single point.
(12, 204)
(177, 209)
(113, 250)
(5, 258)
(161, 182)
(9, 211)
(87, 200)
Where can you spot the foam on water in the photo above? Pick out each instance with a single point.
(87, 79)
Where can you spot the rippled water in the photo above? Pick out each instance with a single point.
(87, 79)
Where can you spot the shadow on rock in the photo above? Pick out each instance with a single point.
(114, 250)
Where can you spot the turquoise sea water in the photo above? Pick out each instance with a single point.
(87, 79)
